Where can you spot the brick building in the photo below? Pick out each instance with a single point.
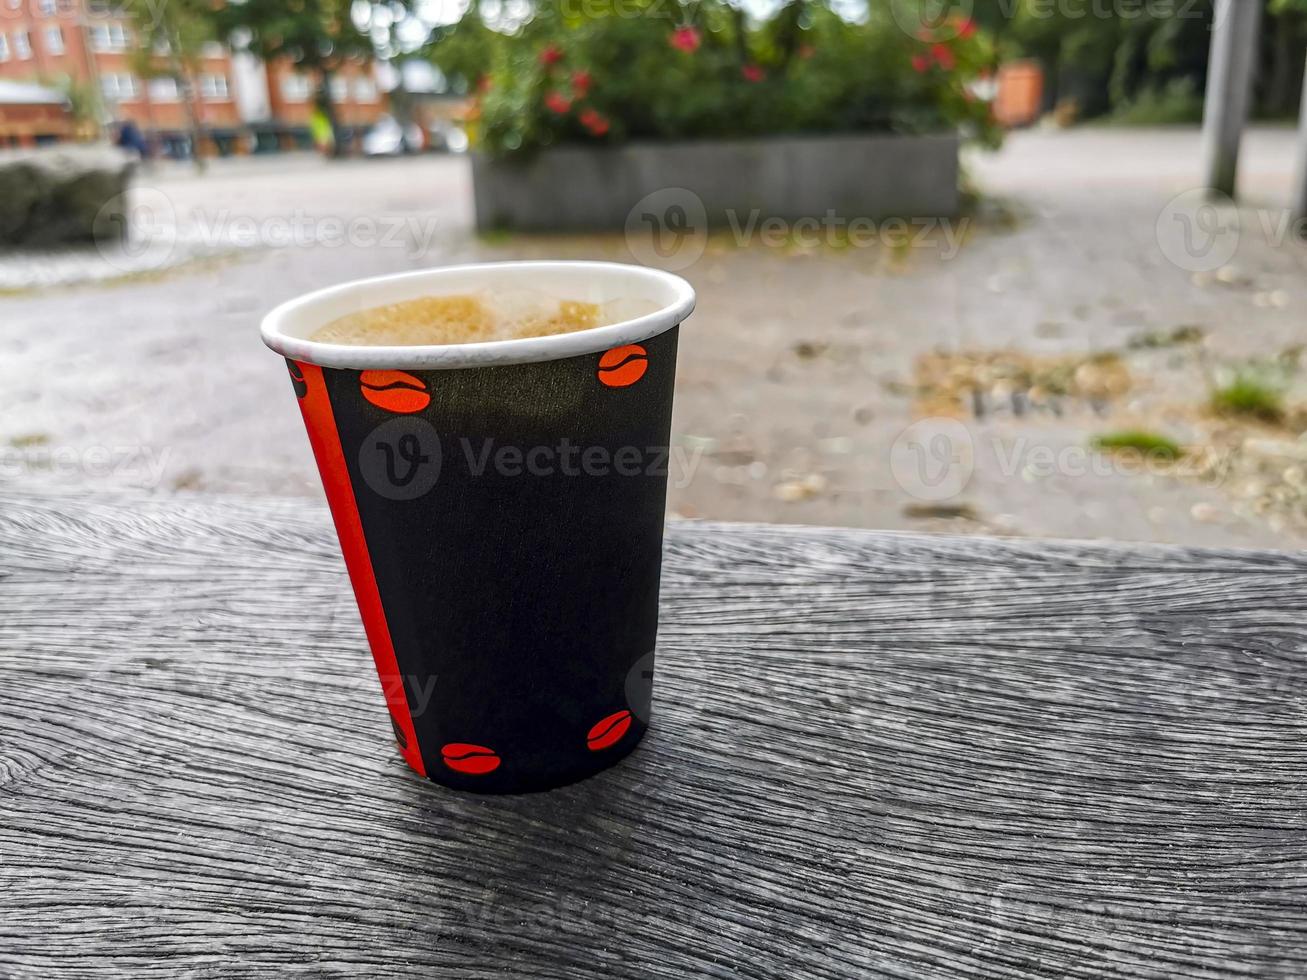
(241, 103)
(31, 115)
(354, 92)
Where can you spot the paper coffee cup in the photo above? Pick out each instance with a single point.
(500, 508)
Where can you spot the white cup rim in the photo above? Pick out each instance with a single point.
(284, 327)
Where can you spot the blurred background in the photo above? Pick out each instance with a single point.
(1026, 267)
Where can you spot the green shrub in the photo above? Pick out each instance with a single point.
(1175, 103)
(655, 70)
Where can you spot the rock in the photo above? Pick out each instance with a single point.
(804, 488)
(63, 194)
(1276, 448)
(959, 511)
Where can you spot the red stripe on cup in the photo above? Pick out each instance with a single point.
(320, 421)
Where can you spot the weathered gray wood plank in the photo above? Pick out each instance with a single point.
(873, 755)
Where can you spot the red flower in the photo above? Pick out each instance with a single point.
(966, 28)
(556, 102)
(752, 73)
(920, 62)
(483, 83)
(594, 122)
(580, 83)
(943, 56)
(806, 51)
(551, 55)
(686, 39)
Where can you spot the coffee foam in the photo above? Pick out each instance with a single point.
(471, 318)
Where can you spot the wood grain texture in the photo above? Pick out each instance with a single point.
(873, 755)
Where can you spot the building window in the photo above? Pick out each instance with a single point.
(339, 89)
(295, 87)
(164, 90)
(212, 49)
(46, 7)
(22, 45)
(214, 87)
(54, 40)
(118, 86)
(109, 37)
(365, 90)
(4, 49)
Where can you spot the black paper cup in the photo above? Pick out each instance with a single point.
(500, 508)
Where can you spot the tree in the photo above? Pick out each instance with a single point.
(317, 37)
(465, 51)
(170, 35)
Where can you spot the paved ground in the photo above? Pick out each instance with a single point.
(807, 389)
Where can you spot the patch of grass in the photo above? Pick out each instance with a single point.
(1137, 440)
(1178, 102)
(963, 512)
(495, 237)
(1185, 334)
(30, 440)
(1249, 396)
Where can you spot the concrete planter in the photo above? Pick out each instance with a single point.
(63, 194)
(580, 188)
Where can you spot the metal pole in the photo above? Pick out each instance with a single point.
(1300, 177)
(1229, 89)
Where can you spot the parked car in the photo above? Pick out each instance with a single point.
(447, 137)
(387, 138)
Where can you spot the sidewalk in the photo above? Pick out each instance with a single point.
(800, 373)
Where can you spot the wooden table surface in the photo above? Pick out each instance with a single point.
(873, 755)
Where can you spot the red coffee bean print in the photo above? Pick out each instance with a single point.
(395, 391)
(609, 731)
(475, 760)
(623, 366)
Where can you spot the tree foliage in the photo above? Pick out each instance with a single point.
(171, 35)
(1134, 58)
